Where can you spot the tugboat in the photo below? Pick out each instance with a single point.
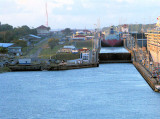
(112, 39)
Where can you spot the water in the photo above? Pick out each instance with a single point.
(113, 50)
(112, 91)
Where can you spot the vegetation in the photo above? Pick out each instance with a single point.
(81, 44)
(35, 49)
(9, 34)
(4, 69)
(48, 52)
(21, 43)
(53, 42)
(67, 31)
(5, 27)
(3, 50)
(66, 56)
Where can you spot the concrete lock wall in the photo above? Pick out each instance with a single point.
(114, 57)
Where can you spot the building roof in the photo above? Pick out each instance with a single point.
(84, 49)
(43, 27)
(34, 36)
(89, 36)
(79, 36)
(5, 45)
(14, 46)
(70, 47)
(125, 26)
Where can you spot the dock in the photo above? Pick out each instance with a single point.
(146, 75)
(38, 67)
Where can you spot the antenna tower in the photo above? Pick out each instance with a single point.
(46, 15)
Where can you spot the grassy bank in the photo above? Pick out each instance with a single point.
(81, 44)
(36, 48)
(66, 56)
(47, 52)
(4, 69)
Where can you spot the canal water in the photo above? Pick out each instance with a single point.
(113, 50)
(112, 91)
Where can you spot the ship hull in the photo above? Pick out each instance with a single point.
(112, 43)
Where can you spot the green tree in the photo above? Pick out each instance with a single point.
(53, 42)
(6, 27)
(67, 31)
(21, 43)
(3, 50)
(9, 34)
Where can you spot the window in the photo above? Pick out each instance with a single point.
(85, 58)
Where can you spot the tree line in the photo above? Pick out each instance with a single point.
(9, 33)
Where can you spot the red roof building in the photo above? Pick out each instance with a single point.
(84, 50)
(79, 38)
(82, 36)
(43, 30)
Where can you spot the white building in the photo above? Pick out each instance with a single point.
(68, 49)
(86, 55)
(125, 28)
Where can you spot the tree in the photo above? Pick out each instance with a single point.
(53, 42)
(9, 34)
(6, 27)
(21, 43)
(67, 31)
(3, 50)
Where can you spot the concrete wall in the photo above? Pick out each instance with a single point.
(114, 57)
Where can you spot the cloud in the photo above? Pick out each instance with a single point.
(76, 13)
(128, 1)
(60, 3)
(69, 8)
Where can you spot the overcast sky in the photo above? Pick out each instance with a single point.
(78, 13)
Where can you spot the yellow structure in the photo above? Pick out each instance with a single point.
(158, 23)
(153, 42)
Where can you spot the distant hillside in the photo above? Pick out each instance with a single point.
(139, 27)
(133, 27)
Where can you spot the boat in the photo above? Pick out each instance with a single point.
(112, 39)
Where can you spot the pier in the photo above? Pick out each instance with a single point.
(41, 67)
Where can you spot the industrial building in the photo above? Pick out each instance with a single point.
(153, 42)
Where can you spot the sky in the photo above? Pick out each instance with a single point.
(78, 13)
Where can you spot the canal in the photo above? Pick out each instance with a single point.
(113, 50)
(112, 91)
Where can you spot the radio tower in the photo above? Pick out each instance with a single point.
(46, 15)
